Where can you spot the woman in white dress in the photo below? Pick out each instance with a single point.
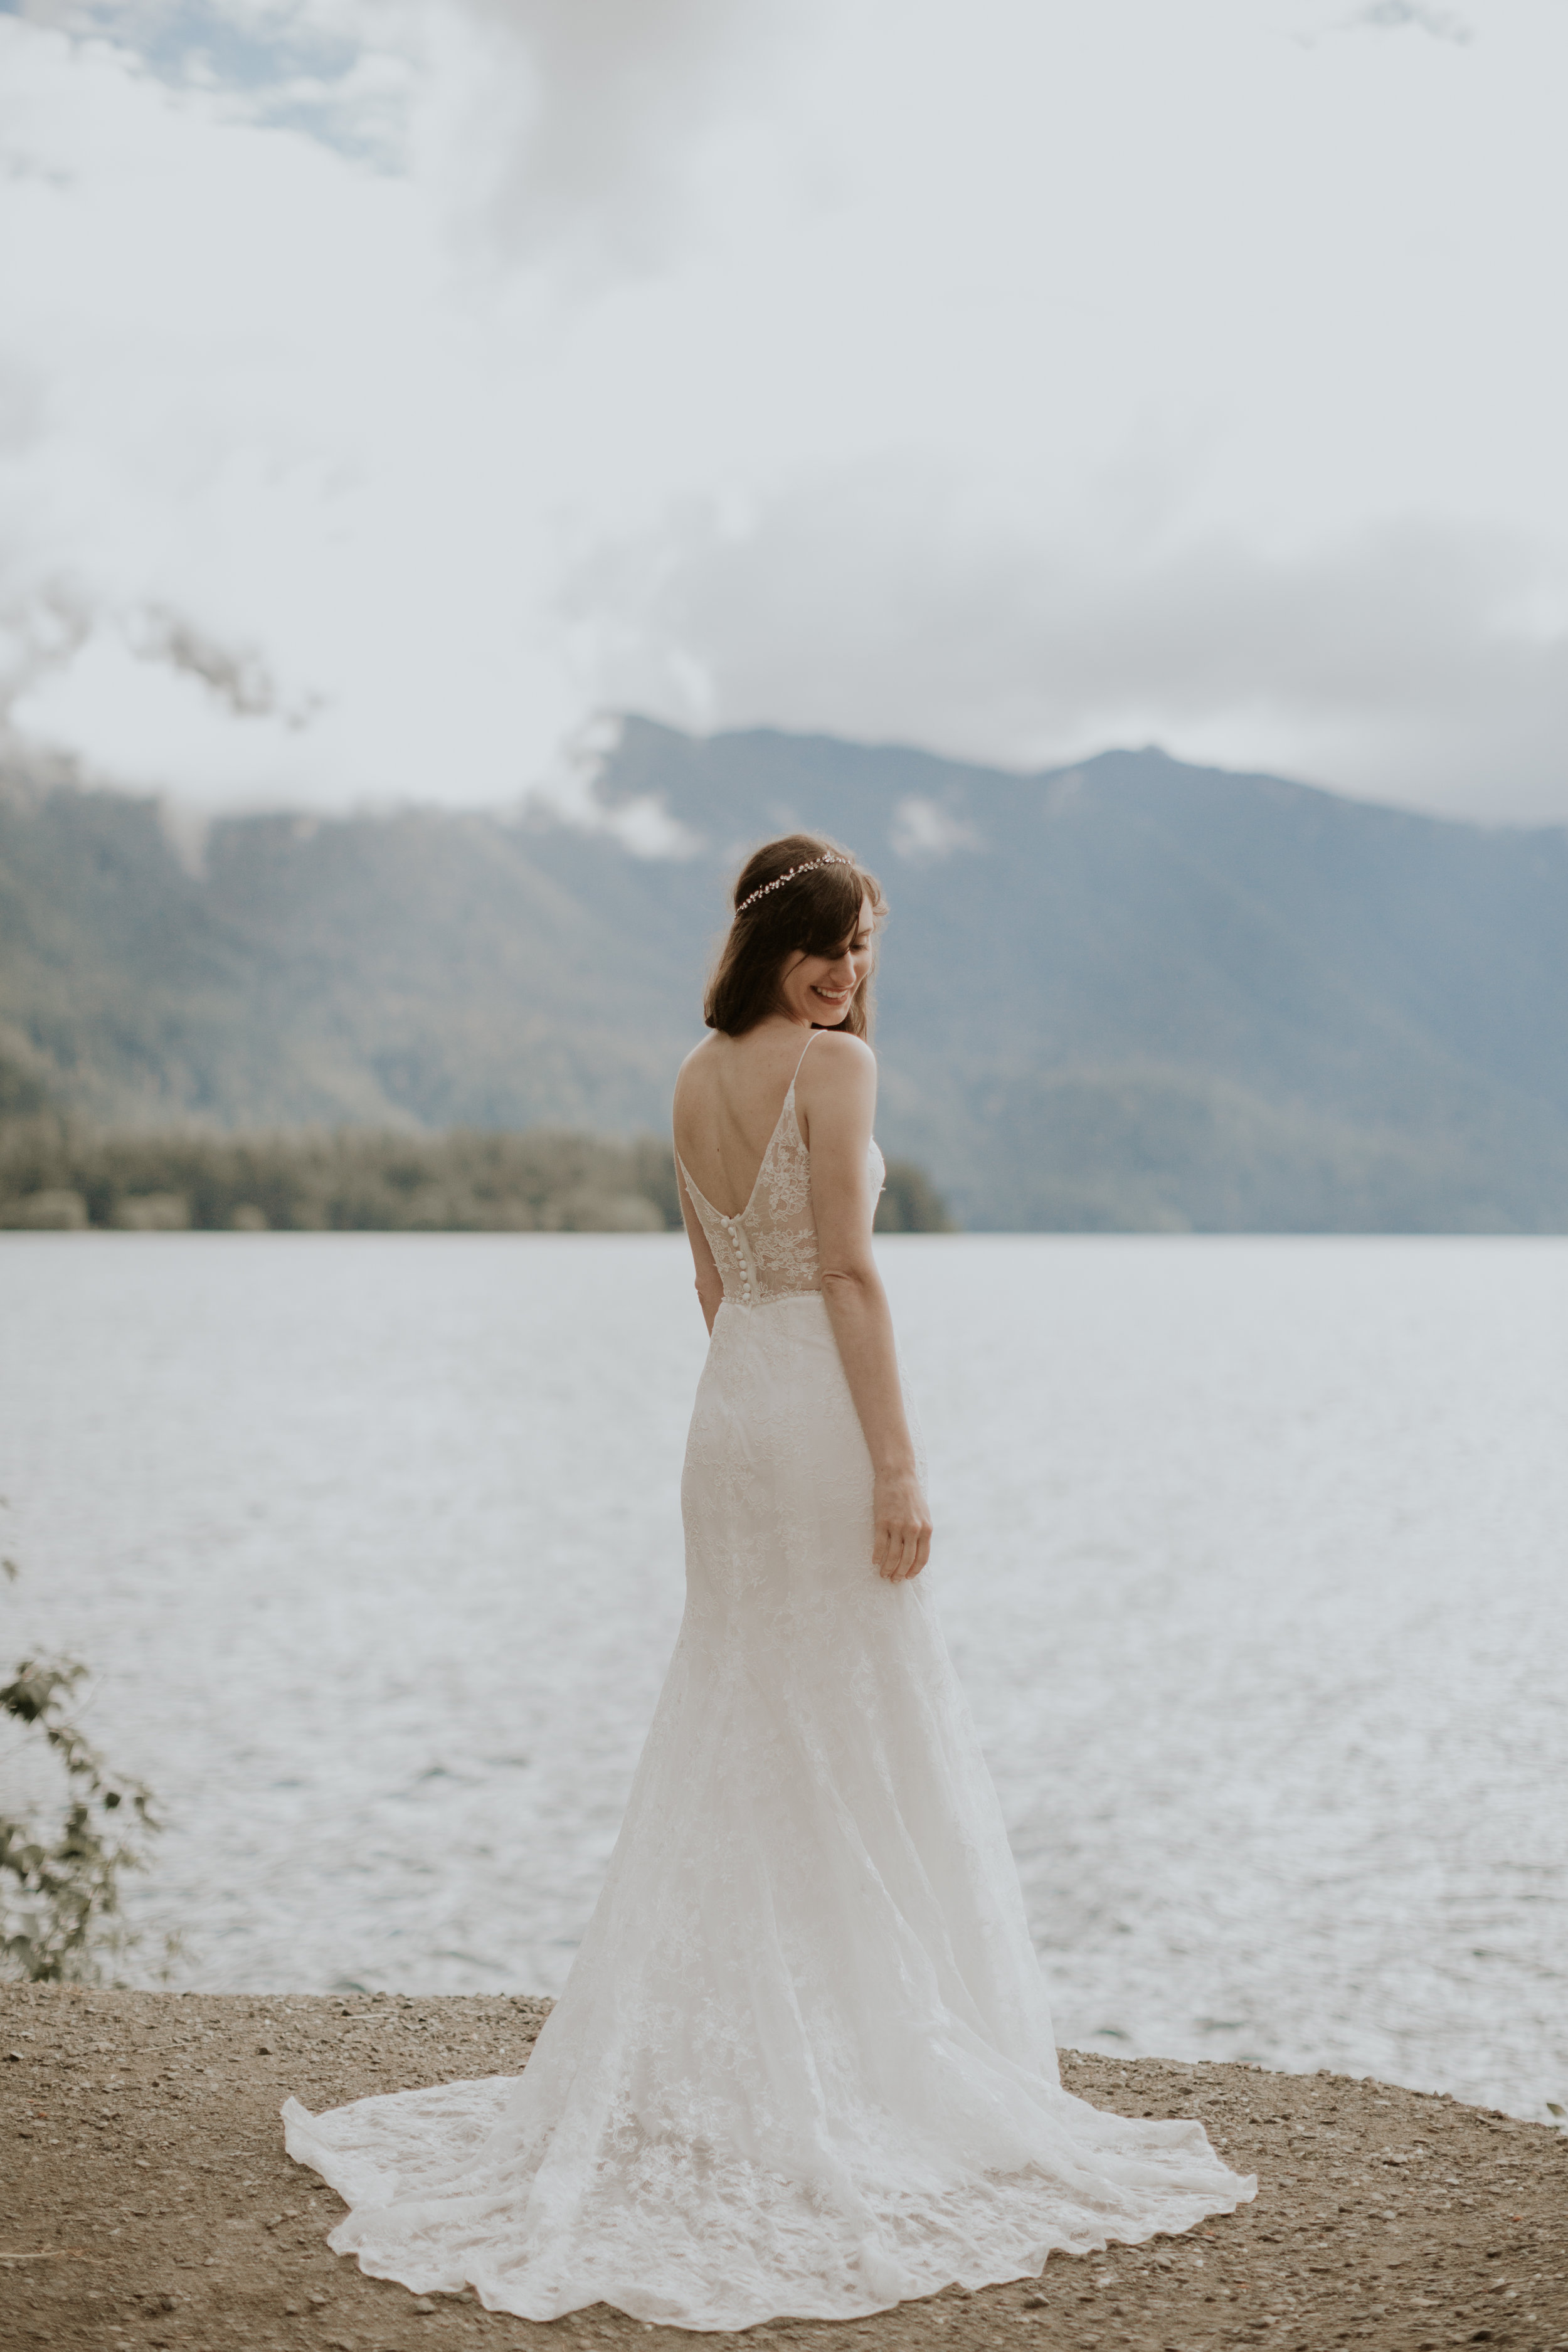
(803, 2062)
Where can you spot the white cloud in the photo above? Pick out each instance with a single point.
(1427, 662)
(585, 143)
(338, 71)
(923, 829)
(112, 700)
(434, 372)
(1393, 15)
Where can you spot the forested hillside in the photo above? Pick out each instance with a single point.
(1131, 994)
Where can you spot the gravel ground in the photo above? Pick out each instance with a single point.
(148, 2202)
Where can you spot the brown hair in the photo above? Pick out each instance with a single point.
(812, 914)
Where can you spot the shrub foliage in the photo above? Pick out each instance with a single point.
(60, 1867)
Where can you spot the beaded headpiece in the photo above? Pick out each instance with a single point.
(833, 858)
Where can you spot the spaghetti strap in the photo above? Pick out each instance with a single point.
(803, 1052)
(786, 1111)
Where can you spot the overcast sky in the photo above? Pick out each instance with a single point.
(387, 385)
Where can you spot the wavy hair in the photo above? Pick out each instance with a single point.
(814, 914)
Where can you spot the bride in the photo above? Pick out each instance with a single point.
(803, 2062)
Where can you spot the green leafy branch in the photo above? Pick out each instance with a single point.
(60, 1885)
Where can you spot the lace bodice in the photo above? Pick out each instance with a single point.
(768, 1251)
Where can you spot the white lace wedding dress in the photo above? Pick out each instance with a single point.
(804, 2061)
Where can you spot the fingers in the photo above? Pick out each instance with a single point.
(902, 1548)
(901, 1542)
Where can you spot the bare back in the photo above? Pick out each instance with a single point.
(728, 1100)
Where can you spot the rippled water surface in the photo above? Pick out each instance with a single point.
(1251, 1552)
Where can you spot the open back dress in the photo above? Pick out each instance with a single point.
(803, 2062)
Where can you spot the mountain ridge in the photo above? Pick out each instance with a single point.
(1125, 992)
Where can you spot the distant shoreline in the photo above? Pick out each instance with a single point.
(58, 1175)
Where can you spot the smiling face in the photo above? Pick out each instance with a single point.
(817, 991)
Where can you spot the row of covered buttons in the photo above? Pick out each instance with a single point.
(741, 1259)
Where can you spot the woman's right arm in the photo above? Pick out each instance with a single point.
(839, 1106)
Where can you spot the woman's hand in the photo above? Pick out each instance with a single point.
(903, 1526)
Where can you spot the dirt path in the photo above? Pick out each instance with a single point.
(147, 2201)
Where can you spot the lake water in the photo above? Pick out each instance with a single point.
(1251, 1553)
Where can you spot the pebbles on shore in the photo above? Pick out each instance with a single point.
(149, 2206)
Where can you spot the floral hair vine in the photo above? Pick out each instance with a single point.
(832, 859)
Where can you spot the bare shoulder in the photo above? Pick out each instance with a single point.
(837, 1055)
(839, 1077)
(694, 1069)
